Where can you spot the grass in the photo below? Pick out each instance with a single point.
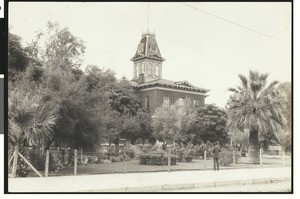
(133, 166)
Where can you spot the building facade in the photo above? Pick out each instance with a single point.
(152, 90)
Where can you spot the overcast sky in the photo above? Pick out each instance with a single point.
(198, 46)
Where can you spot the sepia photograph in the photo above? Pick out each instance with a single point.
(150, 97)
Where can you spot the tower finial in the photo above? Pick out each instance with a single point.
(148, 19)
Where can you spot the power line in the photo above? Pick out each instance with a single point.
(234, 23)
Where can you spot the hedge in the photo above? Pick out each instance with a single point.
(158, 159)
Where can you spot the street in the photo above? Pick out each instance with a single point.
(270, 187)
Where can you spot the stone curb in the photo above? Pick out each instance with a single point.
(158, 188)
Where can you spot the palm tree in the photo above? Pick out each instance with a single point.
(255, 107)
(34, 117)
(284, 139)
(31, 120)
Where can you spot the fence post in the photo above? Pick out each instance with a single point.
(233, 159)
(260, 157)
(81, 161)
(47, 164)
(75, 162)
(15, 162)
(204, 165)
(169, 161)
(125, 169)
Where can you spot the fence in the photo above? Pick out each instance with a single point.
(78, 162)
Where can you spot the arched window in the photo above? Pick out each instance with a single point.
(195, 103)
(167, 99)
(180, 101)
(147, 102)
(149, 69)
(142, 69)
(136, 70)
(156, 70)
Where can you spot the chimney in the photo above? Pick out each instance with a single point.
(141, 78)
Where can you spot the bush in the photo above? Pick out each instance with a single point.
(122, 158)
(115, 159)
(188, 158)
(22, 167)
(132, 151)
(158, 158)
(184, 153)
(226, 156)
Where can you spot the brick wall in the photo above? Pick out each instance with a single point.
(157, 97)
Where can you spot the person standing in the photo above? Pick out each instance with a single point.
(216, 150)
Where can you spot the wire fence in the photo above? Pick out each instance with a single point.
(57, 162)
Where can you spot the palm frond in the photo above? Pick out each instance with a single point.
(244, 80)
(233, 90)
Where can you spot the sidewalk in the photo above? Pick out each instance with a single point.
(148, 182)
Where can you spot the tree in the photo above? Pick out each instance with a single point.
(173, 122)
(255, 107)
(31, 120)
(283, 135)
(285, 90)
(57, 48)
(210, 124)
(17, 57)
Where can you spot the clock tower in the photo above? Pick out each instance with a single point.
(147, 61)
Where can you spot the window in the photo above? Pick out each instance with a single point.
(147, 102)
(195, 103)
(180, 101)
(142, 68)
(136, 70)
(149, 69)
(167, 99)
(156, 70)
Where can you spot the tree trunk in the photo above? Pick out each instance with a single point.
(253, 150)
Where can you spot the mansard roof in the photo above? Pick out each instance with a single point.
(182, 85)
(148, 48)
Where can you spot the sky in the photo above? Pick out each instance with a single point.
(207, 44)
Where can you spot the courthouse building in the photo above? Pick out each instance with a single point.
(152, 90)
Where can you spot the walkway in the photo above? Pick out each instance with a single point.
(148, 182)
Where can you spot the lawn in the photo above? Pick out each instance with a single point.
(134, 166)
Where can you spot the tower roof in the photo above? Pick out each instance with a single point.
(148, 48)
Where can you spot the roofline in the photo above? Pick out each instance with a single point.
(172, 89)
(137, 58)
(154, 83)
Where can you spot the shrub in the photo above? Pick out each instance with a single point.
(188, 158)
(199, 149)
(132, 151)
(115, 159)
(157, 148)
(158, 158)
(122, 158)
(226, 156)
(38, 160)
(184, 153)
(22, 167)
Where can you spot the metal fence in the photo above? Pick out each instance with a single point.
(79, 162)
